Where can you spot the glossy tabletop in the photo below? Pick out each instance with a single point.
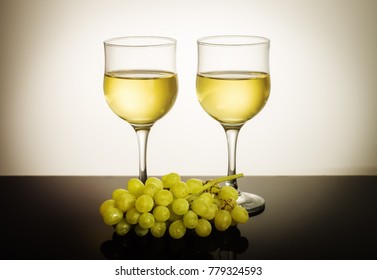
(307, 217)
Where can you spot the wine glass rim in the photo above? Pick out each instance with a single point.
(140, 41)
(233, 40)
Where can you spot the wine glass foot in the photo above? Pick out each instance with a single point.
(254, 204)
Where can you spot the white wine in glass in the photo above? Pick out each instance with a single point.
(140, 83)
(233, 85)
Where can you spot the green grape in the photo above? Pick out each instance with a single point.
(217, 201)
(223, 219)
(156, 181)
(158, 229)
(215, 189)
(132, 216)
(158, 203)
(203, 228)
(180, 190)
(177, 229)
(106, 204)
(227, 192)
(194, 185)
(125, 202)
(228, 204)
(207, 197)
(180, 206)
(135, 186)
(199, 206)
(123, 227)
(190, 219)
(150, 189)
(239, 214)
(211, 213)
(146, 220)
(141, 231)
(163, 197)
(173, 216)
(118, 192)
(112, 216)
(161, 213)
(170, 179)
(144, 203)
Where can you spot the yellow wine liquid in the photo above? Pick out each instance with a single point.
(140, 97)
(232, 98)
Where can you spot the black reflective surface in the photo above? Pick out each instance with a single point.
(305, 218)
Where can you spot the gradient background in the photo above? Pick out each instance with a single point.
(320, 119)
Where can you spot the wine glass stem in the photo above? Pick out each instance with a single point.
(142, 140)
(231, 136)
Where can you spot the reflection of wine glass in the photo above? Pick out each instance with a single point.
(140, 83)
(233, 85)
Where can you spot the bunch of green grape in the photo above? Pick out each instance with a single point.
(174, 206)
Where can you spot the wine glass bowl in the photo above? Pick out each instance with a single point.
(140, 83)
(233, 86)
(226, 96)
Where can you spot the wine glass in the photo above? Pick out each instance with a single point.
(140, 83)
(233, 85)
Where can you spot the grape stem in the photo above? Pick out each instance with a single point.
(222, 179)
(210, 183)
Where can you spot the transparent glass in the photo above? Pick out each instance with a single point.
(140, 84)
(233, 85)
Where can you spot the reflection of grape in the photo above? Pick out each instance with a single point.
(172, 205)
(190, 246)
(141, 231)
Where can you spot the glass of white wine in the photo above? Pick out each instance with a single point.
(140, 83)
(233, 85)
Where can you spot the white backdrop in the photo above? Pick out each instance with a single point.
(320, 118)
